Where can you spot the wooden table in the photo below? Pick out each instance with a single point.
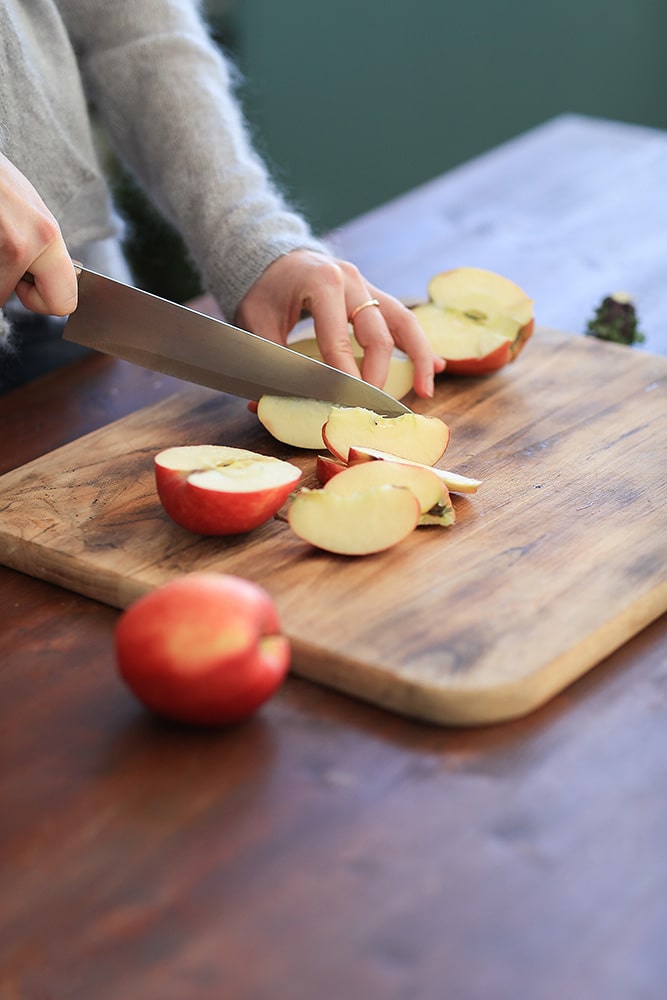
(327, 848)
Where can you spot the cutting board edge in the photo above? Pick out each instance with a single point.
(108, 587)
(441, 705)
(492, 704)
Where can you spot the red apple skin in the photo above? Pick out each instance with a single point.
(214, 512)
(502, 356)
(326, 467)
(205, 649)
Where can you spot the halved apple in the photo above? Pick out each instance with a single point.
(413, 436)
(454, 482)
(361, 523)
(294, 420)
(219, 490)
(401, 374)
(475, 319)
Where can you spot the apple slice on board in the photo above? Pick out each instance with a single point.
(426, 486)
(478, 321)
(453, 481)
(360, 524)
(413, 436)
(401, 374)
(294, 420)
(218, 490)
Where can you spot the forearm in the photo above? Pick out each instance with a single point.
(187, 143)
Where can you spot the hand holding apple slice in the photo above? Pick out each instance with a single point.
(218, 490)
(475, 319)
(420, 438)
(358, 524)
(401, 374)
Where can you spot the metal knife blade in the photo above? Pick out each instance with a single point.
(160, 335)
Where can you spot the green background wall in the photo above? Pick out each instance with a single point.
(355, 101)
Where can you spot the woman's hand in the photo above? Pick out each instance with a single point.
(330, 290)
(30, 241)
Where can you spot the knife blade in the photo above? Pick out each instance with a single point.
(143, 328)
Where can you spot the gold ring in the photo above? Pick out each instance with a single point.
(364, 305)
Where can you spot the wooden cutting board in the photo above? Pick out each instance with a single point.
(559, 558)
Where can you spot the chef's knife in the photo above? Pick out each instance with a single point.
(152, 332)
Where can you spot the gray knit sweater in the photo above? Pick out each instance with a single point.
(164, 94)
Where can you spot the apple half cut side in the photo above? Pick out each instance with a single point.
(413, 436)
(400, 376)
(294, 420)
(362, 523)
(453, 481)
(478, 321)
(219, 490)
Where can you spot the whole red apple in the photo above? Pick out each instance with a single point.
(205, 648)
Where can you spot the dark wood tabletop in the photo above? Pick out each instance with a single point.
(326, 848)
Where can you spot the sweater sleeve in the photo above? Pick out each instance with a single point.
(165, 94)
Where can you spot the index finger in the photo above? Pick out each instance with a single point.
(53, 288)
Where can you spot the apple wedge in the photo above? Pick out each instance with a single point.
(413, 436)
(218, 490)
(478, 321)
(327, 466)
(400, 377)
(422, 481)
(294, 420)
(362, 523)
(454, 482)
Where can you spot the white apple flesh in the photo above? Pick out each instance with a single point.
(219, 490)
(294, 420)
(413, 436)
(361, 523)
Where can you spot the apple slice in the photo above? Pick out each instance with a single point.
(362, 523)
(401, 374)
(327, 466)
(454, 482)
(217, 490)
(294, 420)
(426, 486)
(414, 436)
(478, 321)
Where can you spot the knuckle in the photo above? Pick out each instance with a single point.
(47, 231)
